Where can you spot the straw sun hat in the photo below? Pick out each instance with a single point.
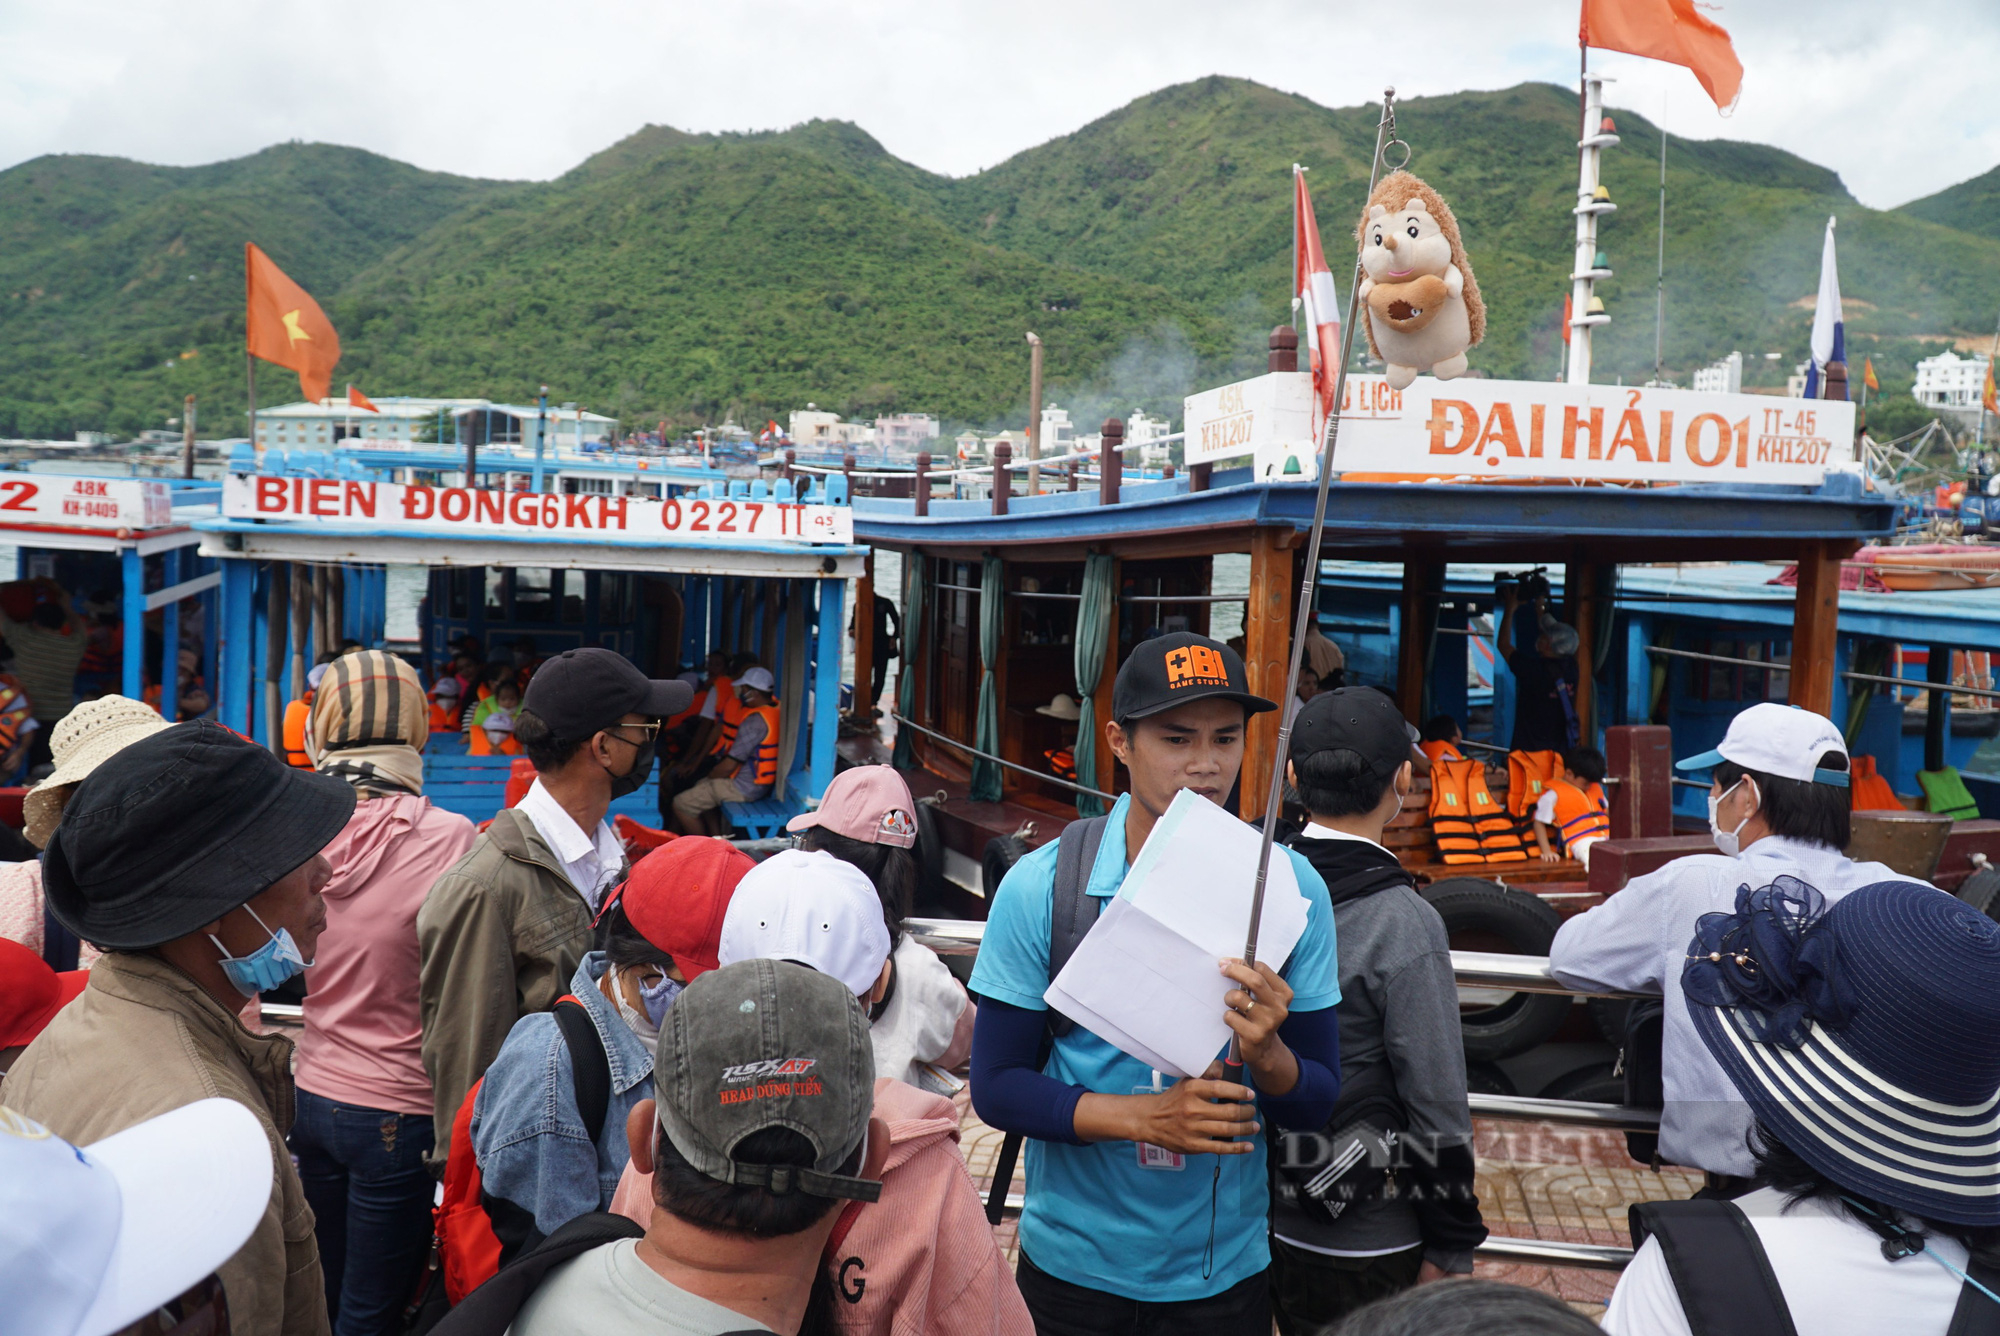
(82, 740)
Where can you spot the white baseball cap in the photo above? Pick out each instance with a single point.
(1782, 740)
(93, 1238)
(811, 908)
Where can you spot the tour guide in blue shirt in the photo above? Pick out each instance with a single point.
(1147, 1205)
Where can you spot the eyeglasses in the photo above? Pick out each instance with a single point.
(202, 1311)
(651, 731)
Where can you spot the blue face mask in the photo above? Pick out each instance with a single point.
(268, 966)
(659, 997)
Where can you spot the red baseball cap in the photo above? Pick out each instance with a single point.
(31, 993)
(869, 803)
(677, 894)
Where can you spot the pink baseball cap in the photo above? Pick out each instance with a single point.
(870, 803)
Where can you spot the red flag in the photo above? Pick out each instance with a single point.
(1568, 312)
(1991, 396)
(356, 399)
(1669, 30)
(1313, 282)
(285, 325)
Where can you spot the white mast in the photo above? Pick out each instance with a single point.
(1589, 204)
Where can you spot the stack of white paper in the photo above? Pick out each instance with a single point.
(1148, 976)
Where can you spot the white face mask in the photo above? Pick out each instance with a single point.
(642, 1024)
(1729, 841)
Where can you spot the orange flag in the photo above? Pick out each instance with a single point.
(1868, 375)
(1991, 395)
(1568, 314)
(1669, 30)
(356, 399)
(286, 326)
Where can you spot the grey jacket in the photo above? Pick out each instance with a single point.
(1398, 1009)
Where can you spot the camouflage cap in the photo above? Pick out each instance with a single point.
(766, 1043)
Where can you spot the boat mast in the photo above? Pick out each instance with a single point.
(1591, 200)
(1660, 291)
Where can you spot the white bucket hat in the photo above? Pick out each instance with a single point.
(84, 739)
(1062, 707)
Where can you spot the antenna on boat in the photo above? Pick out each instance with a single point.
(1385, 136)
(1660, 292)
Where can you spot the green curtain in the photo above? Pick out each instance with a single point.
(906, 674)
(986, 733)
(1093, 635)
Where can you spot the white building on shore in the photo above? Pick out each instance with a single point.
(1950, 381)
(401, 420)
(1723, 377)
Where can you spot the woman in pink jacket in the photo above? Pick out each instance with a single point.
(364, 1103)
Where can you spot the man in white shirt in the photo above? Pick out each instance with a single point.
(1778, 806)
(502, 932)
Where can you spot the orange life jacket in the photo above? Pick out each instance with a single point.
(728, 716)
(1468, 825)
(479, 744)
(442, 720)
(1440, 751)
(295, 732)
(764, 765)
(1870, 792)
(1580, 813)
(1528, 774)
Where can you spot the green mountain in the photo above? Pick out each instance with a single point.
(690, 277)
(1970, 206)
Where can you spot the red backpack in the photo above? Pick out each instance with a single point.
(467, 1250)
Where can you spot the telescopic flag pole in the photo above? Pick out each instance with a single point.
(1385, 132)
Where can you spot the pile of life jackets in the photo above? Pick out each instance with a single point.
(1471, 826)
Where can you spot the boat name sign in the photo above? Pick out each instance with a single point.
(85, 503)
(1472, 429)
(699, 521)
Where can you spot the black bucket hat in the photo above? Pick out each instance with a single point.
(178, 829)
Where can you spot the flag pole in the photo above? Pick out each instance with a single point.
(1385, 130)
(249, 358)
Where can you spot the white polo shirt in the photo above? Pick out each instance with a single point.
(592, 865)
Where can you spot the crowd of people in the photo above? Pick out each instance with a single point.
(548, 1087)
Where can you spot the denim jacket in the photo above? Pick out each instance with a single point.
(529, 1138)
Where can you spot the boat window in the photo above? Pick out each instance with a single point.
(459, 585)
(496, 592)
(534, 594)
(614, 597)
(571, 583)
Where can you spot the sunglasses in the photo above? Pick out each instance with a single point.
(202, 1311)
(650, 731)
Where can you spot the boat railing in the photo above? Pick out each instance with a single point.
(1773, 665)
(986, 470)
(976, 754)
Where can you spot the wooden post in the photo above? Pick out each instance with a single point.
(847, 472)
(864, 637)
(1034, 414)
(1423, 579)
(1167, 471)
(1107, 764)
(791, 459)
(1267, 645)
(1108, 461)
(1641, 758)
(1816, 625)
(1284, 346)
(1937, 710)
(1580, 592)
(1003, 482)
(187, 437)
(1070, 470)
(921, 496)
(1198, 475)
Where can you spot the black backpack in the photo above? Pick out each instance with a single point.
(1725, 1282)
(1072, 914)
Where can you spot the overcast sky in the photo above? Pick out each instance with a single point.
(1895, 97)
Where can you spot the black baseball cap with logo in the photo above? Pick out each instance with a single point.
(1361, 720)
(1172, 670)
(580, 691)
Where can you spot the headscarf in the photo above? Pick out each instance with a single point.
(368, 723)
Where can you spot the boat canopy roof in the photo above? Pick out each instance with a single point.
(1374, 521)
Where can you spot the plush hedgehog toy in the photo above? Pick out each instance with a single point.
(1423, 307)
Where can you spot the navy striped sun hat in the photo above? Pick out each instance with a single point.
(1865, 1037)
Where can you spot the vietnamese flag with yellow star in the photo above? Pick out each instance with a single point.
(286, 326)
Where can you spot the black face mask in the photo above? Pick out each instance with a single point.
(633, 779)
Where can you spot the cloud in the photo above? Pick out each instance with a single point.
(509, 88)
